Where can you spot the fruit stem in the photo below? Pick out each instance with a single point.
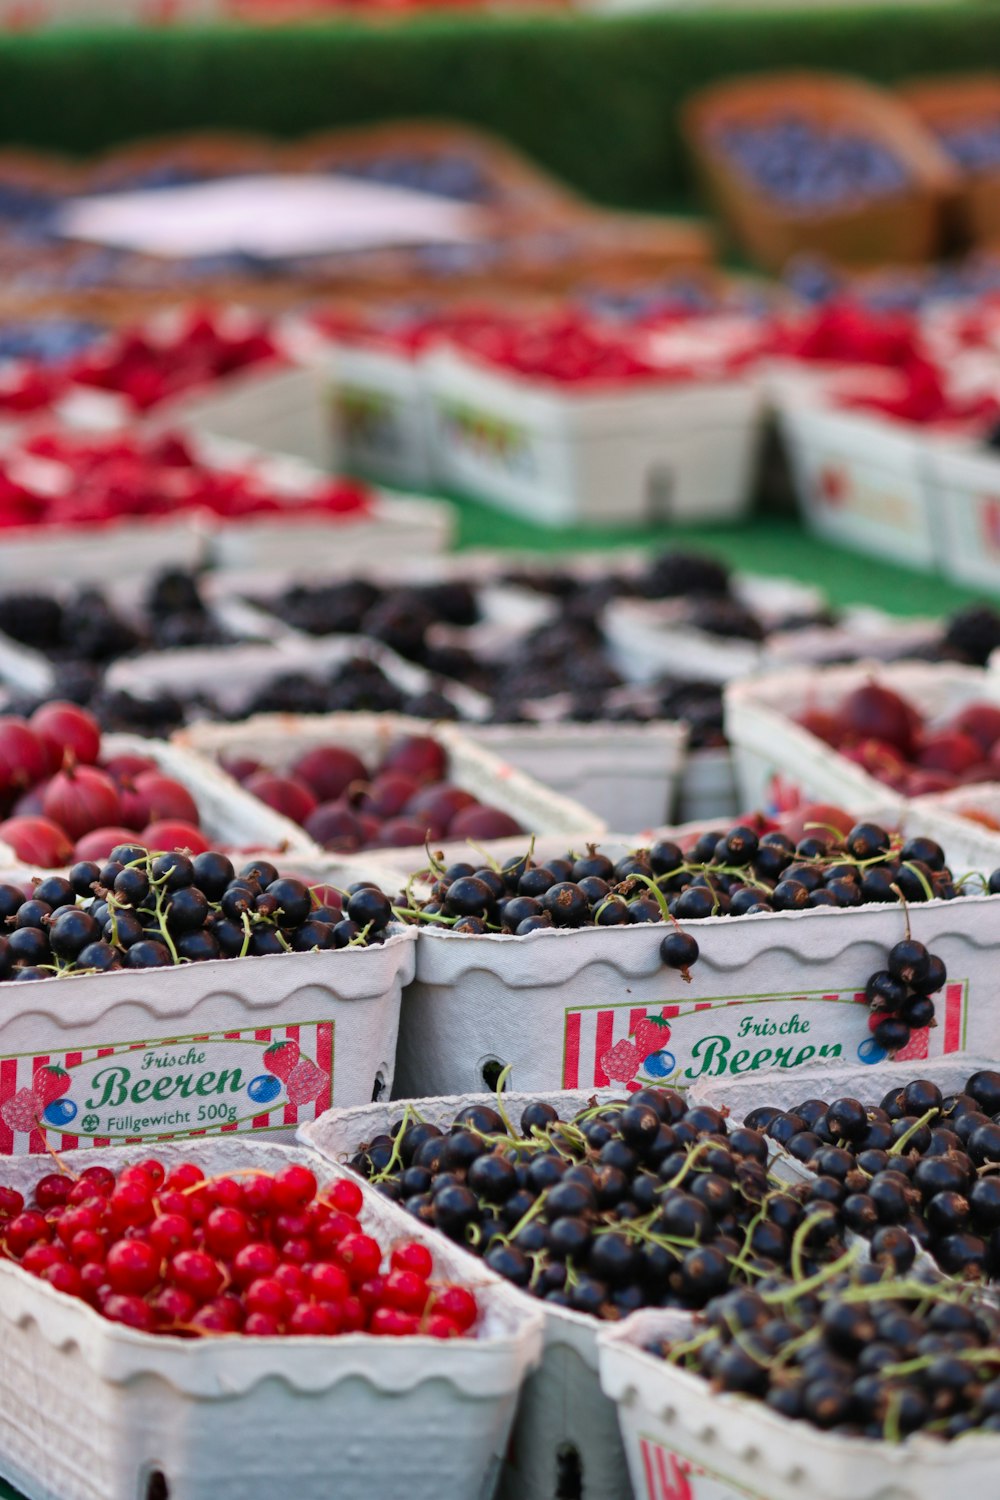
(925, 1119)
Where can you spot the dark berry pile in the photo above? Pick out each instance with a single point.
(899, 996)
(855, 1354)
(141, 910)
(811, 166)
(726, 872)
(86, 627)
(920, 1169)
(645, 1202)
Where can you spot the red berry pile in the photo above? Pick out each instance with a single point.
(345, 806)
(257, 1253)
(61, 805)
(61, 479)
(147, 369)
(888, 736)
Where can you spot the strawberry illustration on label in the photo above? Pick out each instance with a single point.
(49, 1083)
(621, 1062)
(651, 1035)
(20, 1112)
(304, 1082)
(281, 1058)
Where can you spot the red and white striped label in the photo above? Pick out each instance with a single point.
(268, 1078)
(636, 1046)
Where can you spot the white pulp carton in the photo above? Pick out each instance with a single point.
(562, 1409)
(864, 481)
(663, 451)
(595, 1006)
(772, 752)
(381, 412)
(656, 636)
(154, 1054)
(92, 1410)
(92, 554)
(966, 479)
(391, 526)
(971, 844)
(685, 1441)
(278, 739)
(627, 774)
(707, 786)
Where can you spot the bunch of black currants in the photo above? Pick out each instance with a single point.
(920, 1169)
(899, 996)
(629, 1204)
(143, 910)
(858, 1354)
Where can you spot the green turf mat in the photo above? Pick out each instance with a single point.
(766, 544)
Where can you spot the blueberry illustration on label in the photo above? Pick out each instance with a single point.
(660, 1064)
(870, 1051)
(264, 1089)
(60, 1112)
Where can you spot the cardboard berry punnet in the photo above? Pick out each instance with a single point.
(90, 1407)
(687, 1441)
(770, 993)
(228, 1046)
(665, 450)
(561, 1406)
(278, 739)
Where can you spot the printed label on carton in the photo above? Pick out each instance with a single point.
(370, 420)
(839, 488)
(669, 1476)
(271, 1078)
(989, 522)
(489, 440)
(675, 1045)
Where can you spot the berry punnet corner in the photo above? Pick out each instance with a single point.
(499, 926)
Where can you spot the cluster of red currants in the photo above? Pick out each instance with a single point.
(255, 1253)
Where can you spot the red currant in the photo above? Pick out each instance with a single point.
(11, 1203)
(360, 1256)
(132, 1266)
(456, 1303)
(328, 1283)
(293, 1187)
(226, 1232)
(412, 1256)
(64, 1277)
(267, 1295)
(405, 1290)
(314, 1319)
(389, 1322)
(132, 1311)
(345, 1195)
(172, 1306)
(437, 1326)
(261, 1325)
(169, 1233)
(25, 1230)
(254, 1260)
(197, 1273)
(52, 1190)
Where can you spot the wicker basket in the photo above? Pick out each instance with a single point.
(903, 226)
(964, 99)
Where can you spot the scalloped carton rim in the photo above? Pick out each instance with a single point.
(685, 1441)
(91, 1407)
(241, 1045)
(644, 451)
(594, 1006)
(561, 1405)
